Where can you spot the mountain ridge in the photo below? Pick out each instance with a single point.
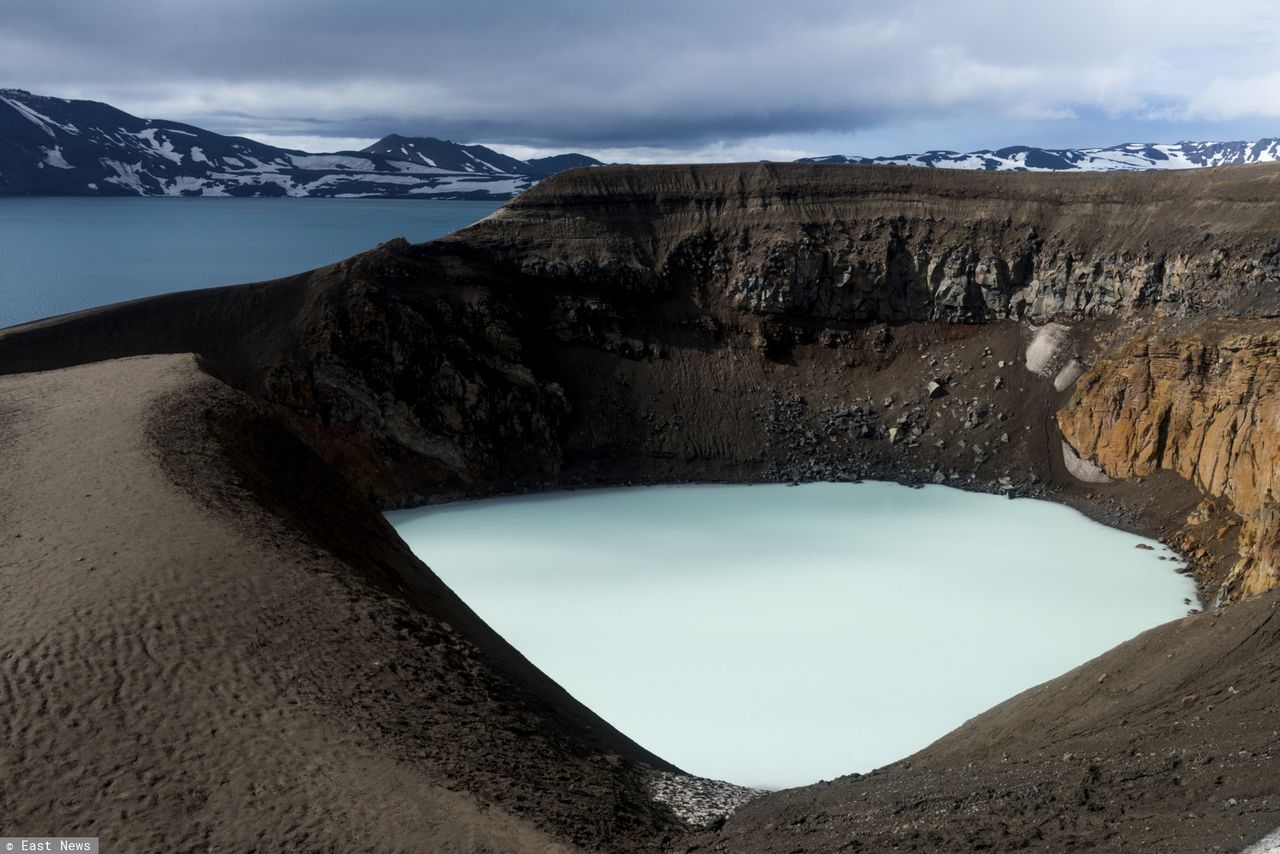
(1125, 157)
(60, 147)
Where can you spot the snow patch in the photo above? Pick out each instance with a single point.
(358, 178)
(1082, 469)
(30, 115)
(331, 161)
(1068, 375)
(39, 119)
(159, 147)
(1270, 844)
(53, 156)
(128, 175)
(406, 166)
(186, 185)
(1043, 351)
(469, 184)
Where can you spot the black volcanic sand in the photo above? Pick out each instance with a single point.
(211, 644)
(212, 639)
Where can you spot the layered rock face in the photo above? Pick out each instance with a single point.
(840, 244)
(1201, 401)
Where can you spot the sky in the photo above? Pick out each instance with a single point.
(666, 80)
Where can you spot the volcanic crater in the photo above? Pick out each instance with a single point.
(215, 640)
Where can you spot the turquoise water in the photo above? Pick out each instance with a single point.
(774, 636)
(62, 255)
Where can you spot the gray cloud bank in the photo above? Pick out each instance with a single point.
(661, 74)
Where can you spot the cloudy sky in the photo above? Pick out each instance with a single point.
(667, 80)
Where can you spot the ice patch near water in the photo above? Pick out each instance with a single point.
(1044, 349)
(772, 636)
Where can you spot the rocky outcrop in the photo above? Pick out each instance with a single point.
(840, 244)
(1204, 402)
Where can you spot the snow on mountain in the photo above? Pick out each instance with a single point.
(1117, 158)
(57, 147)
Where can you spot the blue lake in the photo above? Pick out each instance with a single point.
(773, 636)
(63, 255)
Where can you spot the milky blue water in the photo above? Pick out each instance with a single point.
(62, 255)
(774, 636)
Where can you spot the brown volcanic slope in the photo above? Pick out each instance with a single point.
(247, 656)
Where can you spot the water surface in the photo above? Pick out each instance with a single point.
(60, 255)
(774, 636)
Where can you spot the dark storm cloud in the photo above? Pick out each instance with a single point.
(661, 73)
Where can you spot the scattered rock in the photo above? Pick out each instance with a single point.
(975, 415)
(697, 801)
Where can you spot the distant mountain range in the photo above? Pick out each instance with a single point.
(1117, 158)
(56, 147)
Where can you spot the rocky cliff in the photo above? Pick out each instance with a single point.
(1201, 401)
(836, 244)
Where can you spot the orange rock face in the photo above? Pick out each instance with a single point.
(1204, 403)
